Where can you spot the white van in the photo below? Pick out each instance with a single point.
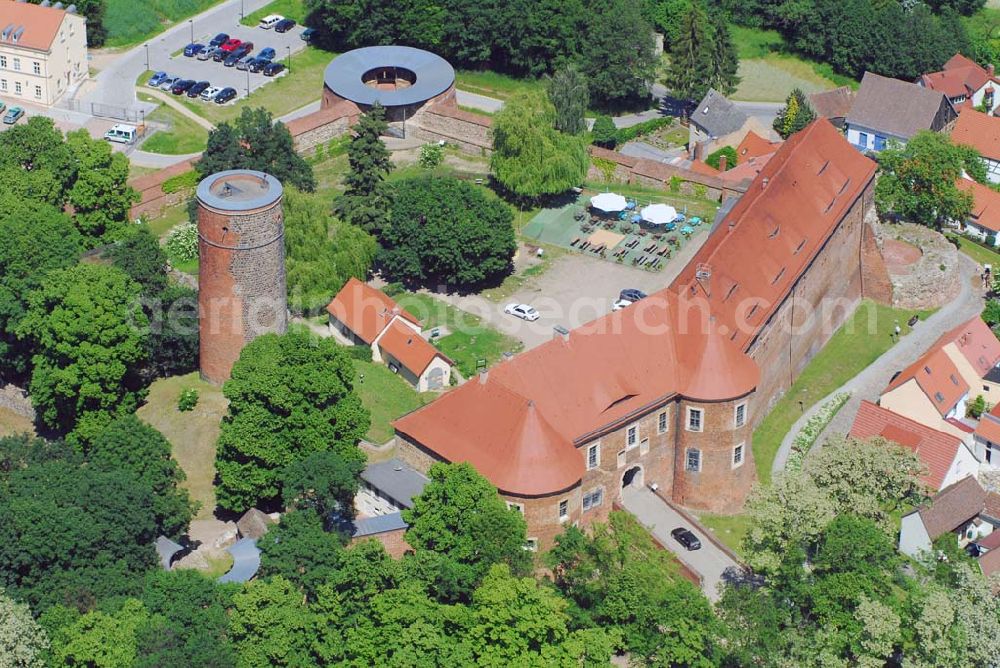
(121, 133)
(270, 21)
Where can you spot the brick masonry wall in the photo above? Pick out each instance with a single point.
(242, 283)
(471, 132)
(875, 281)
(394, 542)
(658, 175)
(152, 199)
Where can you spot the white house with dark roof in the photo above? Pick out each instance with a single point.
(887, 110)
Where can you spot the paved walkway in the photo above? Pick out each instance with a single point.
(660, 519)
(869, 383)
(171, 102)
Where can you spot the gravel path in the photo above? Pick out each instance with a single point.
(869, 383)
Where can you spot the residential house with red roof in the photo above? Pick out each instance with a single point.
(982, 133)
(984, 218)
(963, 509)
(666, 392)
(946, 457)
(936, 388)
(986, 438)
(43, 51)
(362, 315)
(965, 83)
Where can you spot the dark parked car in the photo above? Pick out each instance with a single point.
(258, 64)
(273, 68)
(243, 49)
(632, 294)
(284, 25)
(686, 538)
(196, 90)
(307, 34)
(219, 54)
(225, 95)
(221, 38)
(232, 60)
(182, 86)
(193, 49)
(266, 53)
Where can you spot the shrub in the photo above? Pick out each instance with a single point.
(715, 159)
(394, 289)
(182, 242)
(184, 181)
(431, 155)
(814, 426)
(604, 132)
(624, 135)
(360, 352)
(187, 400)
(976, 407)
(605, 167)
(675, 184)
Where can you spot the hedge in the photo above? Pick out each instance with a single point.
(181, 182)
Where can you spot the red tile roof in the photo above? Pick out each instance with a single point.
(985, 204)
(409, 347)
(991, 542)
(753, 146)
(537, 406)
(960, 76)
(41, 24)
(935, 449)
(978, 130)
(989, 563)
(938, 378)
(365, 310)
(746, 171)
(776, 229)
(977, 343)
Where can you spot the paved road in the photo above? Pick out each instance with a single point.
(639, 149)
(869, 383)
(660, 519)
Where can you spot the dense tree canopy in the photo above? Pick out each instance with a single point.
(617, 54)
(321, 252)
(289, 396)
(365, 201)
(256, 141)
(795, 115)
(569, 95)
(446, 232)
(89, 334)
(530, 157)
(918, 181)
(702, 54)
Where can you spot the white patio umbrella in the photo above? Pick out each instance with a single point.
(608, 202)
(658, 214)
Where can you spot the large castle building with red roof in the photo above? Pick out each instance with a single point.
(668, 390)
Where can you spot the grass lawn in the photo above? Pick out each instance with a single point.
(469, 340)
(290, 9)
(135, 171)
(172, 217)
(12, 424)
(976, 252)
(494, 84)
(862, 339)
(184, 136)
(769, 71)
(299, 86)
(193, 434)
(386, 396)
(129, 22)
(730, 529)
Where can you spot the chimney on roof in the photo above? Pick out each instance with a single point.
(722, 163)
(763, 182)
(561, 331)
(484, 376)
(699, 150)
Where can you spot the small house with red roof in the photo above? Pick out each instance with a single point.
(981, 132)
(362, 315)
(945, 456)
(965, 83)
(936, 388)
(984, 218)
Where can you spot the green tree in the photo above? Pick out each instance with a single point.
(173, 331)
(569, 95)
(460, 516)
(89, 333)
(991, 312)
(102, 640)
(27, 254)
(321, 252)
(289, 396)
(617, 55)
(100, 196)
(795, 115)
(23, 642)
(724, 73)
(604, 132)
(139, 254)
(324, 483)
(256, 141)
(129, 444)
(715, 159)
(918, 181)
(270, 625)
(365, 202)
(36, 163)
(666, 15)
(688, 74)
(530, 157)
(446, 231)
(302, 551)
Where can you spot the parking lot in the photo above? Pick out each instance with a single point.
(221, 76)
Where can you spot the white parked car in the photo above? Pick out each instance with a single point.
(271, 20)
(620, 304)
(209, 93)
(522, 311)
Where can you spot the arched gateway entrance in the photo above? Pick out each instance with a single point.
(632, 477)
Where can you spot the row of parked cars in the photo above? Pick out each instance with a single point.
(193, 89)
(233, 52)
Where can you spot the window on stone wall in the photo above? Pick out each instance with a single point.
(694, 419)
(531, 544)
(36, 67)
(593, 499)
(661, 423)
(563, 510)
(741, 415)
(3, 61)
(693, 460)
(631, 437)
(593, 456)
(738, 455)
(519, 507)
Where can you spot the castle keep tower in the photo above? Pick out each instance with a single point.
(241, 277)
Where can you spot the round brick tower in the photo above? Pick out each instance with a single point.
(241, 278)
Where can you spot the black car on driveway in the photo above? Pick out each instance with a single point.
(182, 86)
(632, 295)
(193, 49)
(258, 64)
(225, 95)
(273, 69)
(284, 25)
(198, 88)
(686, 538)
(219, 39)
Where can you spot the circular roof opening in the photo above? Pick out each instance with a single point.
(239, 190)
(393, 76)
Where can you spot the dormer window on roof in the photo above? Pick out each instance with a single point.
(778, 277)
(799, 248)
(939, 397)
(954, 380)
(927, 370)
(775, 232)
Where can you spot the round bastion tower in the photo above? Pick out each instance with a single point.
(241, 276)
